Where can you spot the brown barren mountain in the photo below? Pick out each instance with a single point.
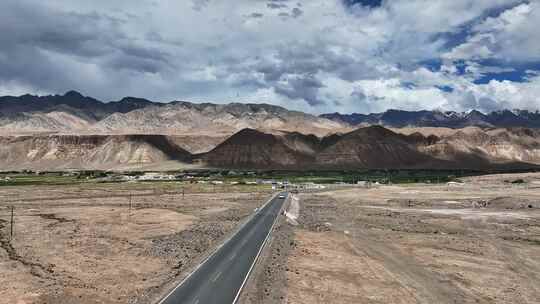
(73, 131)
(53, 152)
(369, 147)
(375, 147)
(495, 146)
(253, 149)
(184, 118)
(73, 113)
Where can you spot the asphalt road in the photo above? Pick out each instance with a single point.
(220, 278)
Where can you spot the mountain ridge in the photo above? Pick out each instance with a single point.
(73, 113)
(376, 147)
(373, 147)
(77, 114)
(449, 119)
(72, 130)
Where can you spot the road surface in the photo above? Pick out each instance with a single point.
(222, 276)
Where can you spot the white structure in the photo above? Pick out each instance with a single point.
(152, 176)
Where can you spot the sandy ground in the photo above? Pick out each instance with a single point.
(77, 244)
(475, 243)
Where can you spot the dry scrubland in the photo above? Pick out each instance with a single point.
(83, 244)
(477, 243)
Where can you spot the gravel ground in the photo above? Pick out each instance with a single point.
(96, 249)
(268, 281)
(474, 243)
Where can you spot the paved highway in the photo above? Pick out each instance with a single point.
(222, 276)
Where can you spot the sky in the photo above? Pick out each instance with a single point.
(316, 56)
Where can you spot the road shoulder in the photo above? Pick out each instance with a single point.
(268, 281)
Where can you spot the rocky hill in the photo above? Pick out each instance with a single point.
(252, 149)
(376, 147)
(368, 147)
(493, 146)
(54, 152)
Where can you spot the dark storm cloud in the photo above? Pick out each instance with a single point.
(361, 99)
(199, 5)
(296, 12)
(301, 87)
(38, 46)
(138, 64)
(30, 66)
(292, 71)
(73, 33)
(86, 35)
(310, 54)
(277, 4)
(256, 15)
(304, 59)
(143, 52)
(368, 3)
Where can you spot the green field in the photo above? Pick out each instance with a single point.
(245, 178)
(22, 179)
(381, 176)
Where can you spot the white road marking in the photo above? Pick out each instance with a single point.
(221, 245)
(232, 257)
(216, 276)
(257, 256)
(196, 301)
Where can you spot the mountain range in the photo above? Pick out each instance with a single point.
(72, 131)
(448, 119)
(367, 147)
(73, 113)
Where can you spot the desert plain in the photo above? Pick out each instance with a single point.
(473, 241)
(111, 243)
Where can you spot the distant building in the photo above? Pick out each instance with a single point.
(152, 176)
(311, 186)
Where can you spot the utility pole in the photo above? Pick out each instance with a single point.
(11, 232)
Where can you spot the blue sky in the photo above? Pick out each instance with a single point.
(316, 56)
